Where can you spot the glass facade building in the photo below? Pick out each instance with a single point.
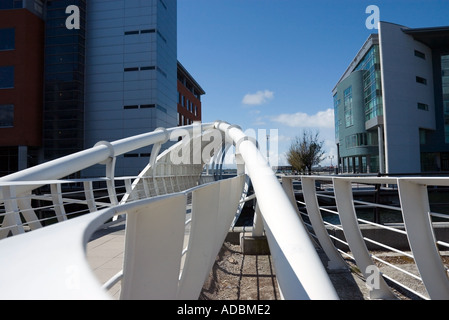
(357, 106)
(63, 120)
(372, 85)
(392, 103)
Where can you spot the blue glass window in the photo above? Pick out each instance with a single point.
(6, 116)
(6, 77)
(7, 39)
(11, 4)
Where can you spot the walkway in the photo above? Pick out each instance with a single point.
(235, 276)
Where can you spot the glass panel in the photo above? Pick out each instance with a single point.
(6, 77)
(445, 84)
(7, 39)
(6, 116)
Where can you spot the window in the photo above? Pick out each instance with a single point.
(6, 116)
(445, 89)
(349, 119)
(6, 77)
(127, 33)
(10, 4)
(131, 69)
(147, 68)
(423, 106)
(421, 80)
(148, 31)
(7, 39)
(422, 136)
(420, 54)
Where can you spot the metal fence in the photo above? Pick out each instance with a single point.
(406, 253)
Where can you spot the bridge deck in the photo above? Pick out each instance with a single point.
(236, 276)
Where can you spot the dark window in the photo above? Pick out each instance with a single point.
(148, 68)
(10, 4)
(134, 106)
(131, 32)
(6, 77)
(131, 69)
(421, 80)
(420, 54)
(7, 39)
(147, 106)
(6, 116)
(423, 106)
(131, 155)
(148, 31)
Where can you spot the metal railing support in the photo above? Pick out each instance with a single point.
(415, 209)
(56, 195)
(353, 235)
(336, 262)
(257, 223)
(11, 221)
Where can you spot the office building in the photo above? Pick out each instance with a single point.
(65, 52)
(189, 97)
(392, 103)
(131, 73)
(21, 84)
(114, 75)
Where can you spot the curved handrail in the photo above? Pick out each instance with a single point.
(299, 270)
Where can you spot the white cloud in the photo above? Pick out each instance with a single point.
(258, 98)
(322, 119)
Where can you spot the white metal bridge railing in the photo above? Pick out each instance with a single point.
(42, 259)
(177, 216)
(414, 234)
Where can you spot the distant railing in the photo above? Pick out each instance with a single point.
(47, 260)
(366, 242)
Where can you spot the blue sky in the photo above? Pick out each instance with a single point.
(272, 64)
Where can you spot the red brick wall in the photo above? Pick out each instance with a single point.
(184, 110)
(27, 94)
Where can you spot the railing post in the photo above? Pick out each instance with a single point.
(353, 235)
(336, 262)
(58, 203)
(257, 223)
(89, 194)
(28, 213)
(11, 220)
(415, 209)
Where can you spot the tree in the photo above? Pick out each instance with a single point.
(305, 151)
